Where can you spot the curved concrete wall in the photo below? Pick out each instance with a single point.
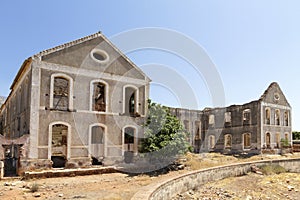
(192, 180)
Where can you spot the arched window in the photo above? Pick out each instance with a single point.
(247, 140)
(227, 141)
(286, 118)
(99, 95)
(61, 92)
(268, 116)
(212, 142)
(277, 117)
(130, 100)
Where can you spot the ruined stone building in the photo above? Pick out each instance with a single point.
(84, 102)
(252, 128)
(77, 103)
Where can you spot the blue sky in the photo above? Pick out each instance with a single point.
(251, 43)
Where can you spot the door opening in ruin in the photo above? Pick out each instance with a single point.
(128, 144)
(11, 160)
(197, 138)
(227, 141)
(97, 144)
(268, 140)
(277, 139)
(59, 145)
(247, 140)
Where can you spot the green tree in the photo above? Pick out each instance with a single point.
(165, 138)
(296, 135)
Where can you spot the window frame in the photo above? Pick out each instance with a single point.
(70, 97)
(106, 95)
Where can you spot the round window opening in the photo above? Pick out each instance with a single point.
(99, 56)
(276, 96)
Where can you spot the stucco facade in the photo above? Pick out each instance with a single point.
(73, 105)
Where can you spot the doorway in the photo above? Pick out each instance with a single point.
(11, 160)
(59, 145)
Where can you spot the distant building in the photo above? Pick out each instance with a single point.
(255, 127)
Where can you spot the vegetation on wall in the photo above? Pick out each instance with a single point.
(165, 137)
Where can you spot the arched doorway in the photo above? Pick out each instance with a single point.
(59, 145)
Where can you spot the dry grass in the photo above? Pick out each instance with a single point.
(206, 160)
(202, 161)
(272, 169)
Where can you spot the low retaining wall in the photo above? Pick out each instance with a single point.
(69, 172)
(193, 180)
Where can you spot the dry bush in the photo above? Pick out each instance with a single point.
(34, 187)
(272, 169)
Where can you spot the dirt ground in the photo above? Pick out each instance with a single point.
(120, 186)
(250, 187)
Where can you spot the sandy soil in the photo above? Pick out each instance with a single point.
(249, 187)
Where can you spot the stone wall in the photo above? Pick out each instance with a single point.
(193, 180)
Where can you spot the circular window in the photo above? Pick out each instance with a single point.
(276, 97)
(99, 56)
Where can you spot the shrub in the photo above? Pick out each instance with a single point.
(34, 187)
(272, 169)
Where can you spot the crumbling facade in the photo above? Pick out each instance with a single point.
(257, 127)
(74, 105)
(84, 103)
